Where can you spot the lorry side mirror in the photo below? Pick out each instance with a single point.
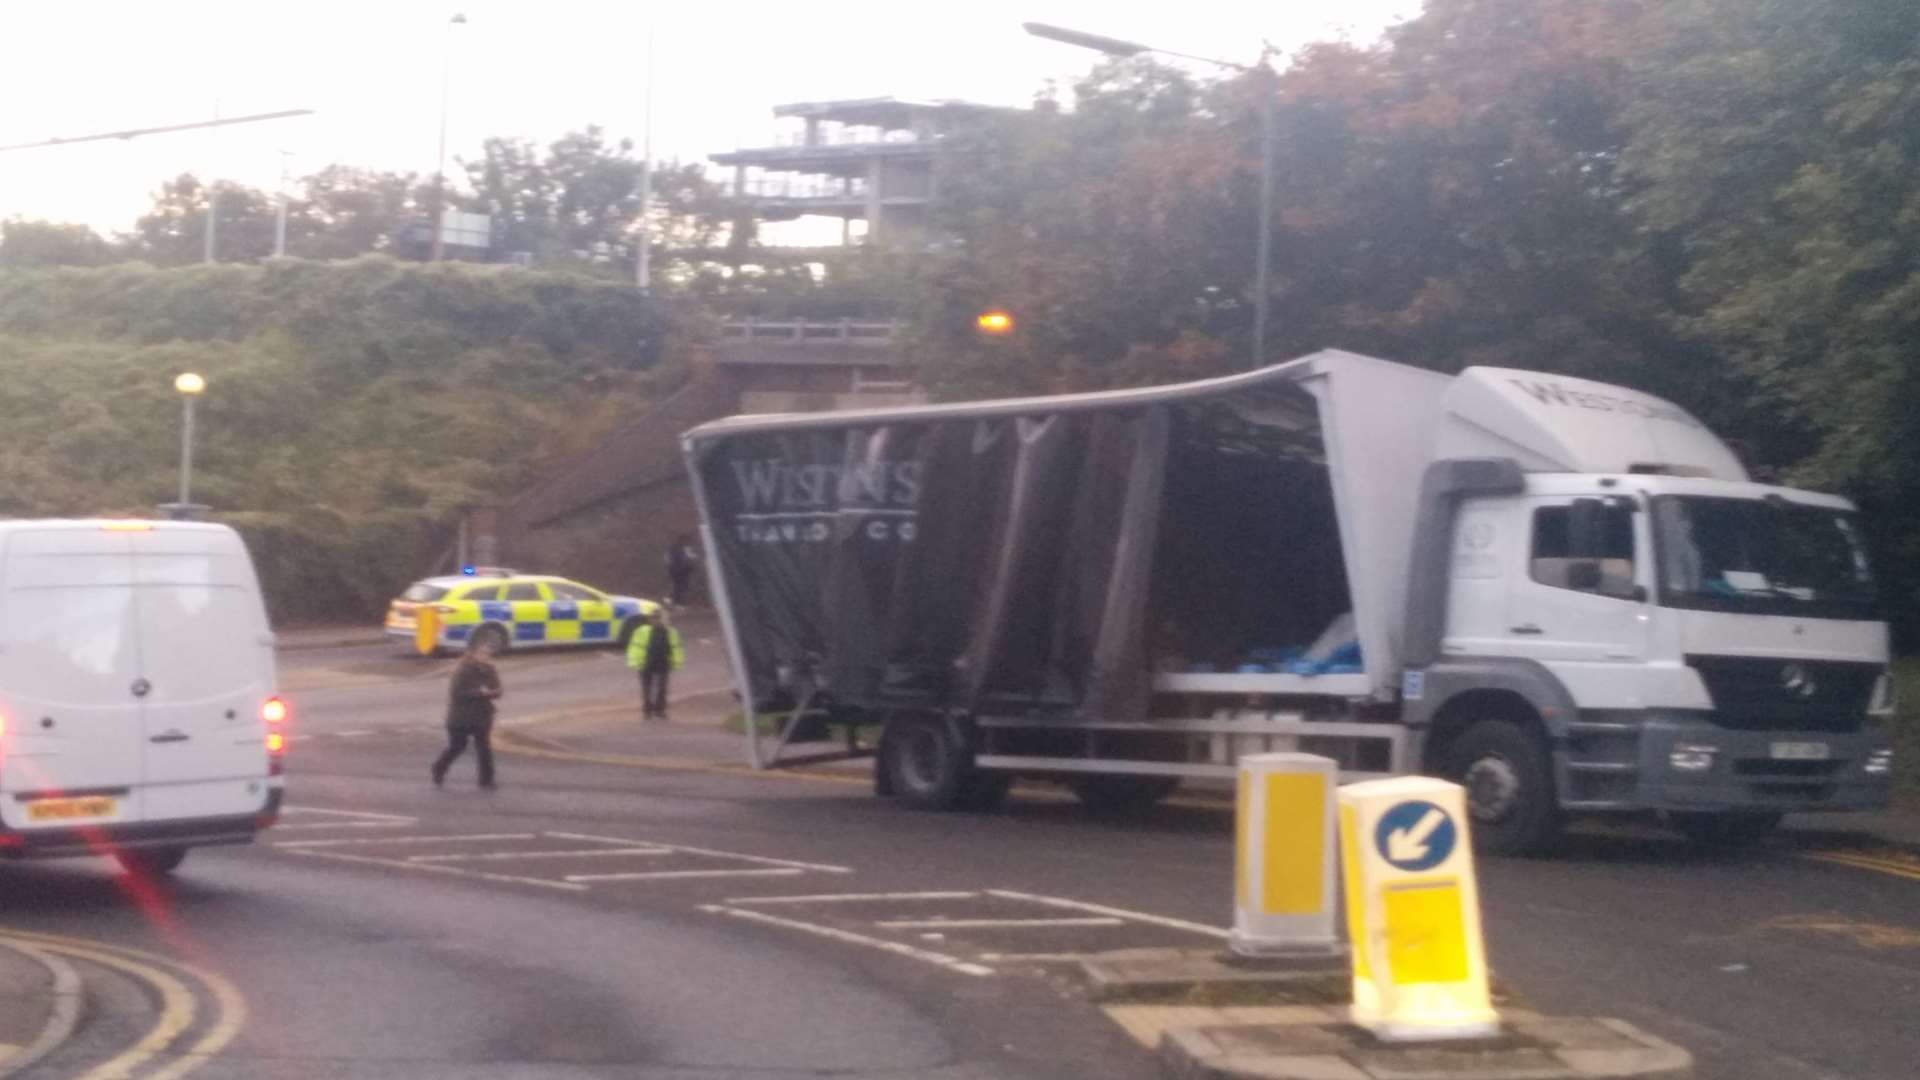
(1584, 575)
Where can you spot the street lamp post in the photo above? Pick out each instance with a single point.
(189, 386)
(643, 268)
(280, 219)
(1263, 244)
(440, 165)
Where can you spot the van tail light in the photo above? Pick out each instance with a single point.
(274, 712)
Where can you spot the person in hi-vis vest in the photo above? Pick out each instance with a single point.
(655, 652)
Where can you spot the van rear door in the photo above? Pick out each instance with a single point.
(69, 680)
(207, 659)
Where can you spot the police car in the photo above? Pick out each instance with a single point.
(515, 609)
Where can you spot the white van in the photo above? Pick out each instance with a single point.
(137, 708)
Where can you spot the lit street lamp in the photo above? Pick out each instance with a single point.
(1264, 241)
(189, 386)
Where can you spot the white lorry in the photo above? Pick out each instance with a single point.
(137, 709)
(1569, 596)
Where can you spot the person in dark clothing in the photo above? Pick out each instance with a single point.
(682, 561)
(470, 697)
(655, 652)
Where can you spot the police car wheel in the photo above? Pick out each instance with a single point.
(626, 630)
(494, 636)
(1509, 782)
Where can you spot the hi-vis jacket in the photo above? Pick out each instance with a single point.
(643, 636)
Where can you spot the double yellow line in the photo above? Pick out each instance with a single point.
(179, 1009)
(1864, 860)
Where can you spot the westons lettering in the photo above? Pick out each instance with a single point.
(784, 503)
(1555, 394)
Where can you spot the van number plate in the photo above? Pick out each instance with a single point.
(93, 806)
(1800, 751)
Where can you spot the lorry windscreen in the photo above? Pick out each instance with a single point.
(1763, 557)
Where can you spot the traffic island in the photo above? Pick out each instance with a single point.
(1528, 1047)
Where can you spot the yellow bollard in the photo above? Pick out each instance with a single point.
(426, 630)
(1413, 911)
(1283, 898)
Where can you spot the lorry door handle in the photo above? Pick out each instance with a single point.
(1527, 628)
(171, 736)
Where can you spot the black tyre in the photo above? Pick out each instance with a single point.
(926, 764)
(1508, 775)
(494, 635)
(1724, 830)
(151, 862)
(1122, 796)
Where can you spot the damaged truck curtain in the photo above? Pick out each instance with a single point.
(972, 563)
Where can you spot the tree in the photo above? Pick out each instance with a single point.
(174, 233)
(1779, 165)
(50, 243)
(346, 212)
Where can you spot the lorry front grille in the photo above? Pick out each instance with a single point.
(1768, 694)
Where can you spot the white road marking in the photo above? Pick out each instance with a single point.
(439, 869)
(850, 898)
(480, 856)
(661, 875)
(368, 840)
(1009, 924)
(345, 813)
(1034, 957)
(343, 825)
(353, 734)
(761, 859)
(1099, 909)
(951, 963)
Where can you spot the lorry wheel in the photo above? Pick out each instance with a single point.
(1121, 796)
(1509, 780)
(925, 764)
(1724, 830)
(151, 862)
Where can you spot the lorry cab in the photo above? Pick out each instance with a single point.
(1675, 636)
(137, 707)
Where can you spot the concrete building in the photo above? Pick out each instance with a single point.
(869, 161)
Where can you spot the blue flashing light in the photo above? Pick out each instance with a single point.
(467, 570)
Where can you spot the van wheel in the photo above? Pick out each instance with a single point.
(1121, 796)
(1724, 830)
(926, 765)
(151, 862)
(1509, 780)
(495, 635)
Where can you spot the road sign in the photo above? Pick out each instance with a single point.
(1413, 911)
(1415, 835)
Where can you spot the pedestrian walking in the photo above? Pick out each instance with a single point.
(682, 560)
(655, 652)
(470, 696)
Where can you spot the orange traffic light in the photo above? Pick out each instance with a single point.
(995, 322)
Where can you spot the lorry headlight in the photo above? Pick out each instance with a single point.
(1879, 763)
(1692, 757)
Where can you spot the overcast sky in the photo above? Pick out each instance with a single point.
(372, 69)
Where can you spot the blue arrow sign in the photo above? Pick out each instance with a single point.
(1415, 835)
